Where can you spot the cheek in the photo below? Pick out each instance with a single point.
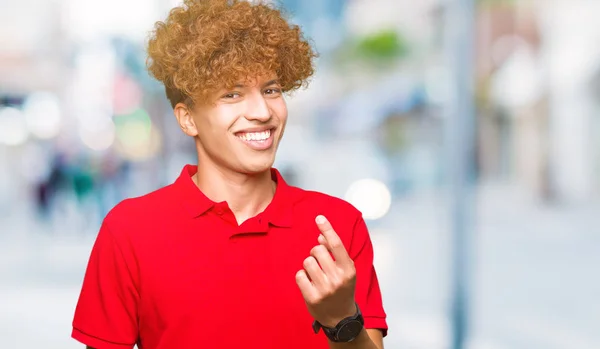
(281, 111)
(219, 123)
(214, 135)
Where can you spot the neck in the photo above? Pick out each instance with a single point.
(246, 195)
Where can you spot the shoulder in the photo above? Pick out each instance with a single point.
(344, 217)
(138, 214)
(328, 203)
(346, 220)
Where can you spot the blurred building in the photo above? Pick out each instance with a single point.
(82, 126)
(538, 111)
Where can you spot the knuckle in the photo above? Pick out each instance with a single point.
(351, 273)
(336, 284)
(308, 262)
(315, 250)
(352, 268)
(336, 243)
(315, 297)
(345, 278)
(327, 290)
(319, 250)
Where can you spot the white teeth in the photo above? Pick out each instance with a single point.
(255, 136)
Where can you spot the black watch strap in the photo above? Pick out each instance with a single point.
(345, 331)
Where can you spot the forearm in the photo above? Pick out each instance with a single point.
(363, 341)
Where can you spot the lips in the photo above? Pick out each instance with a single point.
(254, 136)
(257, 139)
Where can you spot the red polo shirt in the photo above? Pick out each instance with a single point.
(173, 270)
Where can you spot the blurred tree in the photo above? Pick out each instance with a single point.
(387, 44)
(379, 49)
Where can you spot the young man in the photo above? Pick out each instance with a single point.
(229, 255)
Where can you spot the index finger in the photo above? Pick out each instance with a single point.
(334, 243)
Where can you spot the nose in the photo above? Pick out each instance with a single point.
(257, 108)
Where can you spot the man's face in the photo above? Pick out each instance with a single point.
(240, 128)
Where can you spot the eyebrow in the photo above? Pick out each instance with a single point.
(268, 83)
(271, 82)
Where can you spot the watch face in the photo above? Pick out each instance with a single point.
(349, 331)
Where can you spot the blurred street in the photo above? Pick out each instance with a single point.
(83, 125)
(534, 283)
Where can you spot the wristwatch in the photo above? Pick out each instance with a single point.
(346, 330)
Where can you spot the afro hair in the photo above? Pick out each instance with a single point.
(205, 45)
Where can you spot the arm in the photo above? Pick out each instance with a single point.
(106, 312)
(368, 339)
(328, 285)
(367, 294)
(376, 336)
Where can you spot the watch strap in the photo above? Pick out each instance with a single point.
(333, 332)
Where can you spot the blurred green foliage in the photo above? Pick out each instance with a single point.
(387, 44)
(376, 49)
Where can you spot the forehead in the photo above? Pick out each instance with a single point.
(256, 80)
(242, 82)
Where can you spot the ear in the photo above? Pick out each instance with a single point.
(183, 113)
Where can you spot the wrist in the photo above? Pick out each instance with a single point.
(335, 320)
(343, 331)
(362, 341)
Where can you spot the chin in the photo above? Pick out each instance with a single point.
(257, 167)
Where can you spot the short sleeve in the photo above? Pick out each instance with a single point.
(368, 294)
(106, 313)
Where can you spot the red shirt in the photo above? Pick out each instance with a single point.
(173, 270)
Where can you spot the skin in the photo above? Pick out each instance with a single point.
(231, 171)
(228, 169)
(327, 284)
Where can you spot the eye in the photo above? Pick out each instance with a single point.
(272, 91)
(231, 95)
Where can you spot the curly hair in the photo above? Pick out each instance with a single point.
(205, 45)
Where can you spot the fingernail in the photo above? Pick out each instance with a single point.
(320, 219)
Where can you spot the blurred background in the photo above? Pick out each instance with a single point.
(83, 126)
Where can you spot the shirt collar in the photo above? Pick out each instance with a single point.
(280, 210)
(195, 203)
(191, 197)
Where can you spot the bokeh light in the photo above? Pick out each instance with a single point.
(99, 138)
(43, 115)
(136, 136)
(127, 95)
(371, 197)
(84, 126)
(13, 129)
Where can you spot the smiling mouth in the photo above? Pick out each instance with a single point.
(254, 136)
(259, 140)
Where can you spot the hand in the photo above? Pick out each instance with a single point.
(327, 284)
